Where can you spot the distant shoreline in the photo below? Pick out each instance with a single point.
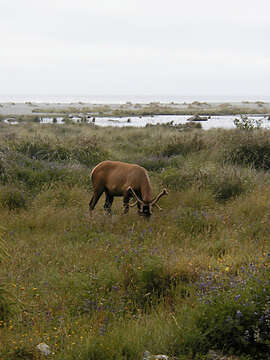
(133, 109)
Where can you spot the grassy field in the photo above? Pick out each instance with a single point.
(192, 279)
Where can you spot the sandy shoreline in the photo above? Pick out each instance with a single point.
(32, 108)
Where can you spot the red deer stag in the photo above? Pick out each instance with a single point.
(117, 178)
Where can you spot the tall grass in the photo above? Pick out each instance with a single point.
(5, 296)
(191, 280)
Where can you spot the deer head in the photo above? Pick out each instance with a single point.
(144, 208)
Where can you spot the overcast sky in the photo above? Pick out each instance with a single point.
(135, 47)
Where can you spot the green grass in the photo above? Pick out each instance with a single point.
(193, 278)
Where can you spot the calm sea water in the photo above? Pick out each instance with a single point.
(121, 99)
(214, 122)
(224, 122)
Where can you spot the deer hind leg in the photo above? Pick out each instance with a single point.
(94, 200)
(108, 203)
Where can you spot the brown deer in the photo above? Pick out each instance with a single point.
(117, 178)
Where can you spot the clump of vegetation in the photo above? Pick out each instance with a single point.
(189, 125)
(87, 151)
(224, 182)
(237, 320)
(246, 123)
(248, 149)
(12, 198)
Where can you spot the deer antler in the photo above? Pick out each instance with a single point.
(159, 208)
(135, 196)
(163, 192)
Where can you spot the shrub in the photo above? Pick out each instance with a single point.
(248, 149)
(229, 182)
(86, 151)
(12, 198)
(153, 163)
(183, 145)
(238, 320)
(246, 123)
(60, 194)
(147, 283)
(224, 182)
(33, 174)
(179, 179)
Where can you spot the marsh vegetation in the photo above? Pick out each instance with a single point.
(192, 279)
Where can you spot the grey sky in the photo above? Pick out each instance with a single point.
(135, 47)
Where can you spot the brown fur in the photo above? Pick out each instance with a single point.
(117, 178)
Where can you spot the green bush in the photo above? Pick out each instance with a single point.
(248, 149)
(179, 179)
(183, 145)
(152, 163)
(33, 174)
(229, 182)
(238, 320)
(257, 155)
(246, 123)
(225, 182)
(148, 283)
(12, 198)
(86, 151)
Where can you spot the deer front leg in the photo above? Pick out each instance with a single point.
(108, 203)
(126, 202)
